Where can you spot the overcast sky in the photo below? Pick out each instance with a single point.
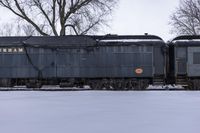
(144, 16)
(137, 17)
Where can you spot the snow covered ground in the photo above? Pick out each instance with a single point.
(100, 112)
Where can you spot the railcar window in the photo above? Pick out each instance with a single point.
(181, 52)
(196, 58)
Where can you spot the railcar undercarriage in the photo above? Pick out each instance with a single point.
(95, 84)
(189, 83)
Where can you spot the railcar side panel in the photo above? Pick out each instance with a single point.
(159, 60)
(193, 61)
(29, 63)
(106, 62)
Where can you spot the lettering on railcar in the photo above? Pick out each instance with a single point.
(12, 50)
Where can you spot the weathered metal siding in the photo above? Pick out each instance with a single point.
(159, 60)
(67, 63)
(42, 60)
(18, 65)
(13, 65)
(106, 61)
(98, 61)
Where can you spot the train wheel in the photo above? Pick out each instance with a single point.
(6, 83)
(129, 85)
(33, 84)
(141, 84)
(190, 85)
(144, 84)
(196, 84)
(119, 85)
(137, 85)
(96, 85)
(115, 85)
(107, 86)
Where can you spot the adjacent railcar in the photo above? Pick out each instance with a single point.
(132, 62)
(184, 56)
(109, 62)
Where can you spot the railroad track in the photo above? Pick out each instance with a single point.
(57, 88)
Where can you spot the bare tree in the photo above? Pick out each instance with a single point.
(6, 29)
(58, 17)
(16, 29)
(186, 18)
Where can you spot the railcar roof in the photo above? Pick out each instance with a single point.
(74, 40)
(188, 40)
(47, 40)
(131, 37)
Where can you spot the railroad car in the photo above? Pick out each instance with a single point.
(102, 62)
(184, 62)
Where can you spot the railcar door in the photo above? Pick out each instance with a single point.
(193, 61)
(181, 61)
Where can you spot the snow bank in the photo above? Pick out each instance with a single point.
(100, 112)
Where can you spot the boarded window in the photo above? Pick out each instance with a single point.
(196, 58)
(181, 52)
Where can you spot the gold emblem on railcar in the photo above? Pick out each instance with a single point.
(138, 71)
